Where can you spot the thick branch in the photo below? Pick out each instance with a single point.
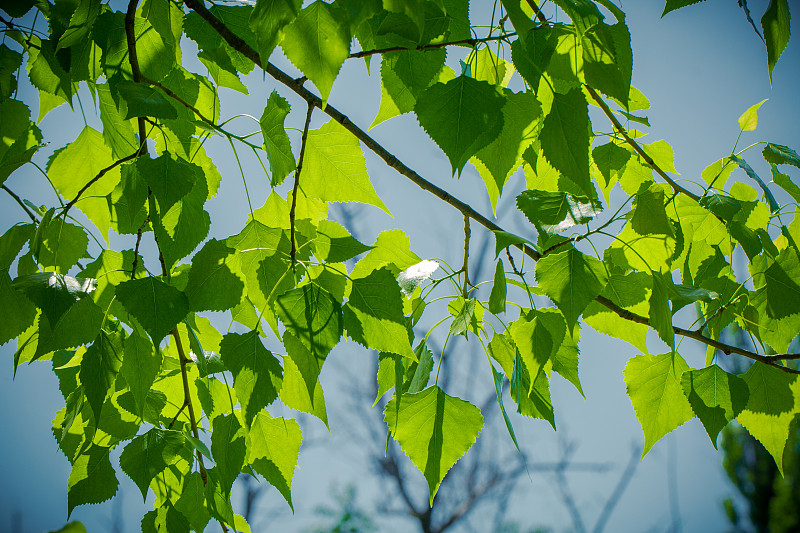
(463, 42)
(297, 86)
(20, 202)
(292, 210)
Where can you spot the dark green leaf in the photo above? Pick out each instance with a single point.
(256, 372)
(773, 205)
(556, 211)
(157, 306)
(145, 101)
(140, 366)
(780, 155)
(783, 291)
(776, 26)
(268, 20)
(212, 285)
(229, 449)
(99, 368)
(716, 396)
(565, 138)
(92, 479)
(148, 455)
(462, 116)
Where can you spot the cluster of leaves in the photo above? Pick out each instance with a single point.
(140, 364)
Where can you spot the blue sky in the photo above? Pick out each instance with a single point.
(700, 67)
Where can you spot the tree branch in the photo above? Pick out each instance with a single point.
(292, 210)
(187, 400)
(238, 44)
(21, 203)
(649, 160)
(463, 42)
(622, 484)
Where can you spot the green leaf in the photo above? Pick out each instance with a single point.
(169, 178)
(192, 501)
(462, 116)
(62, 244)
(498, 390)
(778, 154)
(256, 372)
(783, 291)
(157, 306)
(229, 449)
(649, 214)
(662, 154)
(608, 60)
(92, 479)
(715, 396)
(334, 244)
(749, 119)
(503, 240)
(521, 118)
(672, 5)
(374, 317)
(268, 21)
(786, 183)
(19, 137)
(313, 316)
(72, 527)
(391, 250)
(660, 311)
(273, 446)
(583, 13)
(744, 165)
(99, 367)
(213, 285)
(537, 338)
(565, 138)
(555, 212)
(434, 430)
(140, 366)
(467, 315)
(654, 386)
(334, 169)
(776, 26)
(497, 298)
(295, 392)
(317, 43)
(771, 408)
(144, 100)
(17, 312)
(276, 141)
(117, 132)
(572, 280)
(148, 455)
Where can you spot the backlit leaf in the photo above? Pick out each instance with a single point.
(434, 430)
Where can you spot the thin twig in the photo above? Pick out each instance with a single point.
(639, 150)
(187, 400)
(292, 210)
(100, 174)
(21, 203)
(465, 265)
(178, 99)
(136, 248)
(432, 46)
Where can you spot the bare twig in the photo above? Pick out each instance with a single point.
(297, 182)
(21, 203)
(432, 46)
(616, 494)
(465, 265)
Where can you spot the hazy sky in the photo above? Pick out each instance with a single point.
(700, 67)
